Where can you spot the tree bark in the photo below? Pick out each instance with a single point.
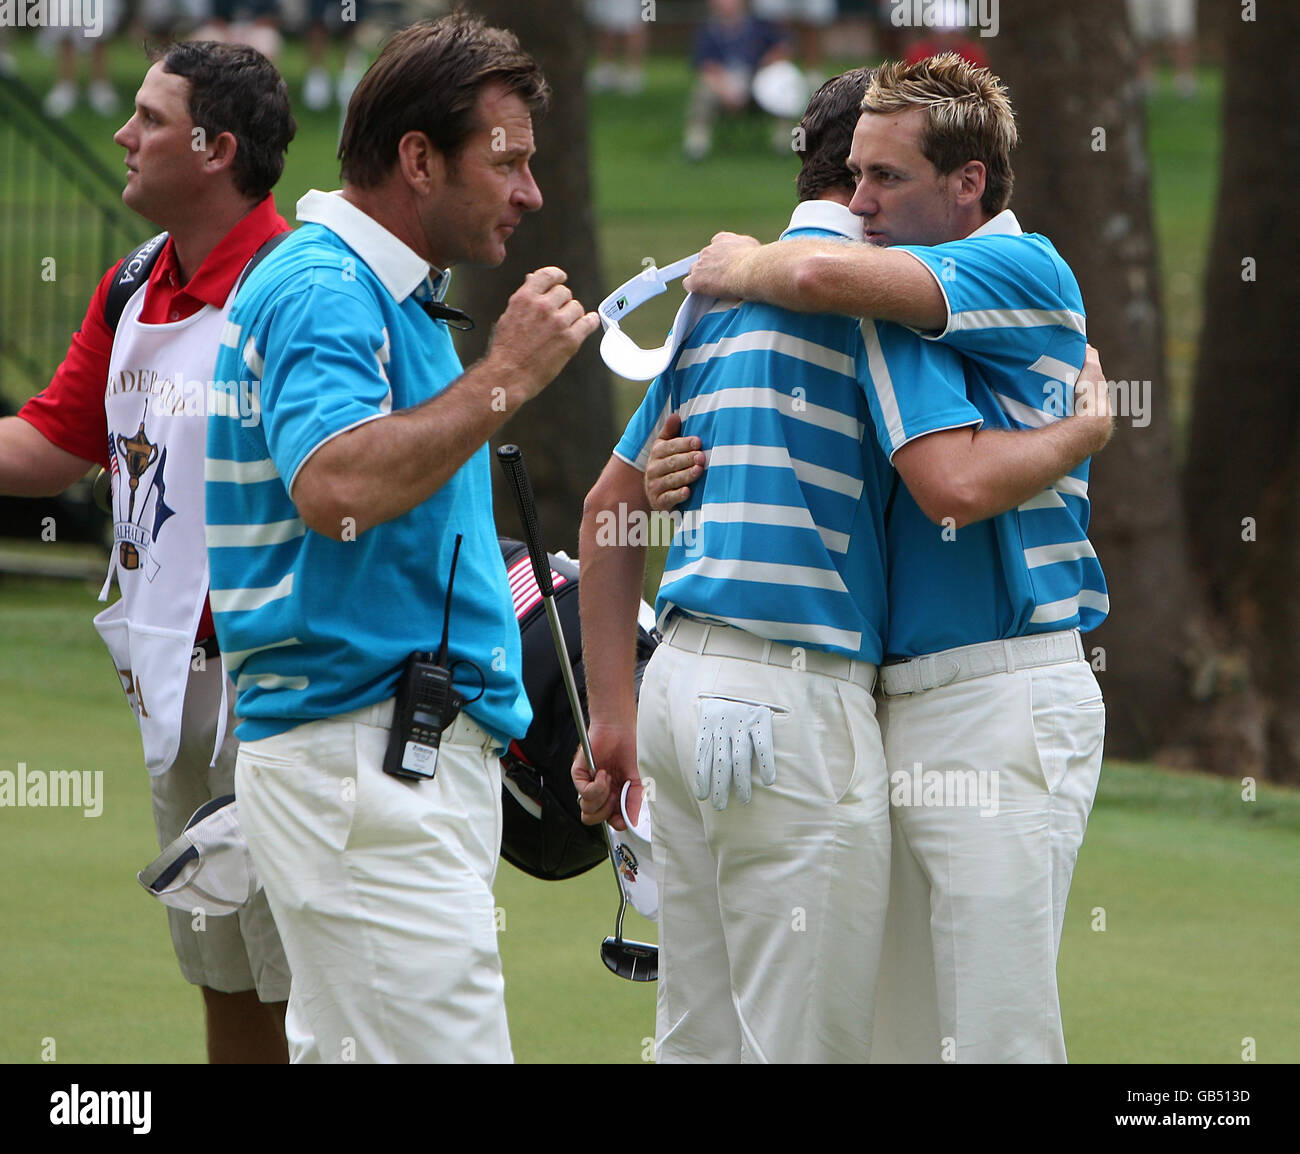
(566, 432)
(1243, 465)
(1082, 180)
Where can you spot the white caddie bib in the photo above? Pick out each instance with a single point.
(156, 403)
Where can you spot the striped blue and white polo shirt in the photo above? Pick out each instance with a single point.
(783, 535)
(330, 327)
(1016, 317)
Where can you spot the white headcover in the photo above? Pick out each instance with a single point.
(208, 867)
(619, 351)
(636, 871)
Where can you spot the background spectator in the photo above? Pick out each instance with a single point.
(730, 48)
(332, 20)
(618, 25)
(71, 41)
(252, 22)
(807, 21)
(1166, 22)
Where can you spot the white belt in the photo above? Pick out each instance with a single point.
(918, 674)
(728, 641)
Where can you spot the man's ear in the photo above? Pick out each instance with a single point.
(422, 166)
(971, 178)
(221, 151)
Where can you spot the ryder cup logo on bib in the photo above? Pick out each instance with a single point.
(140, 509)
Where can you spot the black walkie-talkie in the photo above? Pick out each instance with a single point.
(426, 704)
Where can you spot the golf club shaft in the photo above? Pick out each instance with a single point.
(512, 461)
(571, 685)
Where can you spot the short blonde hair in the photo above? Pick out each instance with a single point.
(968, 117)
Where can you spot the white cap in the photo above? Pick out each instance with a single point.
(619, 351)
(208, 867)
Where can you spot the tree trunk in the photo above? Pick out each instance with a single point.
(1082, 180)
(1243, 466)
(567, 432)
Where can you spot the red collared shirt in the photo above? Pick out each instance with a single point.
(69, 411)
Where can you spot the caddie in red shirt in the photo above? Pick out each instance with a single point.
(204, 146)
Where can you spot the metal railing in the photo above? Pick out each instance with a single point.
(62, 223)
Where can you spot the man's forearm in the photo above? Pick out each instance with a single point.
(31, 466)
(609, 594)
(854, 280)
(1015, 466)
(969, 477)
(388, 466)
(381, 469)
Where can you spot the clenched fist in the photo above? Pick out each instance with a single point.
(543, 326)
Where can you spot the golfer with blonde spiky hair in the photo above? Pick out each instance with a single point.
(986, 691)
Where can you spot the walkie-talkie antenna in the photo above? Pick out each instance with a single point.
(446, 609)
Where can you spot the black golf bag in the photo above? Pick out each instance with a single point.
(542, 831)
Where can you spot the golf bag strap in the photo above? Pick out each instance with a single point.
(131, 274)
(268, 246)
(135, 270)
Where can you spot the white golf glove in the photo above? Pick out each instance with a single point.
(732, 733)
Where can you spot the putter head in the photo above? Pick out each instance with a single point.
(635, 961)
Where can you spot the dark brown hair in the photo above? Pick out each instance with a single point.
(427, 79)
(235, 89)
(827, 127)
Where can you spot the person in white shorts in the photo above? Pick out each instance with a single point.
(157, 316)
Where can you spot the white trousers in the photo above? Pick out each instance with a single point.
(381, 889)
(992, 781)
(771, 913)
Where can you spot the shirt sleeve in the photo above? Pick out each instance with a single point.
(69, 411)
(913, 387)
(325, 371)
(633, 447)
(1008, 297)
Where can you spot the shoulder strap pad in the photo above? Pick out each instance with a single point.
(131, 274)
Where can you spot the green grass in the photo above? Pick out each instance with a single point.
(85, 955)
(1199, 889)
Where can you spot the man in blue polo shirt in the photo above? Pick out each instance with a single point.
(992, 718)
(773, 610)
(335, 522)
